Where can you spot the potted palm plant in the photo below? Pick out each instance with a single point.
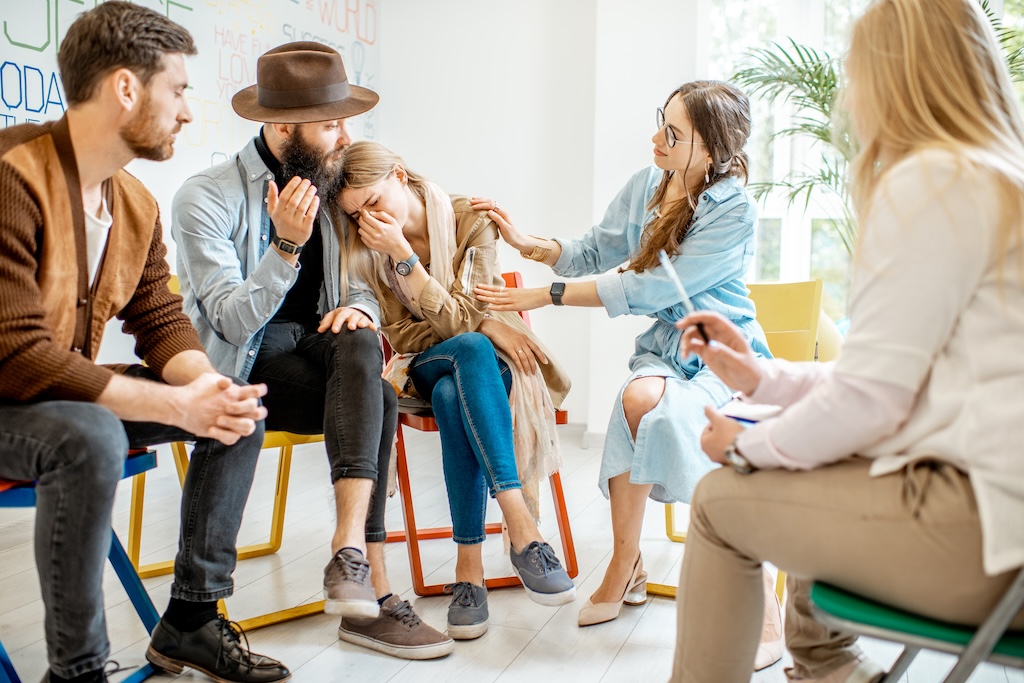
(810, 80)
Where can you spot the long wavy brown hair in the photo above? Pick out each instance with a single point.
(720, 114)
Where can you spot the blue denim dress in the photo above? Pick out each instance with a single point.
(714, 256)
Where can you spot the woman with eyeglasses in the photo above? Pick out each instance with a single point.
(693, 205)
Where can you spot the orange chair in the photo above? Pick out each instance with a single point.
(423, 421)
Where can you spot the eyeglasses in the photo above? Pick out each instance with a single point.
(670, 132)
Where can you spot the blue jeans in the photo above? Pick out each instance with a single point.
(468, 387)
(330, 383)
(76, 452)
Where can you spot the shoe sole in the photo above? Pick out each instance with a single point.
(467, 631)
(400, 651)
(351, 608)
(547, 599)
(176, 666)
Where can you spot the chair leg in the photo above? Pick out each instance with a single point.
(409, 516)
(670, 525)
(181, 460)
(988, 633)
(564, 530)
(412, 534)
(125, 571)
(900, 666)
(284, 468)
(664, 590)
(7, 672)
(135, 518)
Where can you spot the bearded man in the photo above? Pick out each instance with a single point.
(259, 259)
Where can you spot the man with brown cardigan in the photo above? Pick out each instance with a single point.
(81, 242)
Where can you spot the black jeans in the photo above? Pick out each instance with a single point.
(76, 451)
(331, 383)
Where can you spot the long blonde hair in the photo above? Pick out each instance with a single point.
(930, 74)
(720, 113)
(366, 163)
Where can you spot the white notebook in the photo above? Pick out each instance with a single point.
(749, 412)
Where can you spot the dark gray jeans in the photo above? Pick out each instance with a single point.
(76, 452)
(330, 383)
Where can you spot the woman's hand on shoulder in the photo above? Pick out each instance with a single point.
(509, 233)
(501, 298)
(514, 343)
(728, 355)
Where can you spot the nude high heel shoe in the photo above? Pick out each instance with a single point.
(635, 593)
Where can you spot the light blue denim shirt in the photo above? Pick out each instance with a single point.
(714, 256)
(231, 281)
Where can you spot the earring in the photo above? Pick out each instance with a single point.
(707, 178)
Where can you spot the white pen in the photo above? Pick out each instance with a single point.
(687, 304)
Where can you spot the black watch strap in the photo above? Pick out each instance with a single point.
(286, 246)
(557, 290)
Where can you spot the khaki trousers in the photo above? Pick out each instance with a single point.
(911, 539)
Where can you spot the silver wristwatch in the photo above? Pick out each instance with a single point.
(736, 459)
(405, 266)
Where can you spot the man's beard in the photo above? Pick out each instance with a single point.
(144, 137)
(299, 158)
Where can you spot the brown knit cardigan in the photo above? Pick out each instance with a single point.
(51, 319)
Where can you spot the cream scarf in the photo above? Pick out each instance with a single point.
(535, 440)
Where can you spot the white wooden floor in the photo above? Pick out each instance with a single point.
(526, 642)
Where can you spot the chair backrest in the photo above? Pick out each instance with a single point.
(514, 280)
(788, 313)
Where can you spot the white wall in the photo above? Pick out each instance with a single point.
(549, 108)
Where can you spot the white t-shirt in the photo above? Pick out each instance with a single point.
(97, 229)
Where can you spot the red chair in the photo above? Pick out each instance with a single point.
(423, 421)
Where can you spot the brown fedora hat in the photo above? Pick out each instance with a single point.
(301, 82)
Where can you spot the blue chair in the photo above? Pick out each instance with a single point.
(23, 495)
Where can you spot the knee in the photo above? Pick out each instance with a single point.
(361, 343)
(445, 394)
(93, 443)
(641, 396)
(473, 347)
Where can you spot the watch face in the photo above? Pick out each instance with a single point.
(403, 268)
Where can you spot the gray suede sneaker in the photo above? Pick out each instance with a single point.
(397, 631)
(467, 615)
(347, 588)
(543, 577)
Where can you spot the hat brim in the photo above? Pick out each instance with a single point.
(359, 100)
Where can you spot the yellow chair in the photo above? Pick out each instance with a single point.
(788, 313)
(284, 441)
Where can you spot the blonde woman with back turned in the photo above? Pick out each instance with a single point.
(896, 473)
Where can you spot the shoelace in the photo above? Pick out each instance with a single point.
(107, 671)
(404, 613)
(543, 556)
(353, 568)
(234, 635)
(462, 594)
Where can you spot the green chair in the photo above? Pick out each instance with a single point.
(991, 641)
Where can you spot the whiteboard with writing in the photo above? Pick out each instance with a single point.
(230, 36)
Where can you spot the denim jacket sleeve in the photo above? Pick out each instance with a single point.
(717, 249)
(606, 245)
(206, 227)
